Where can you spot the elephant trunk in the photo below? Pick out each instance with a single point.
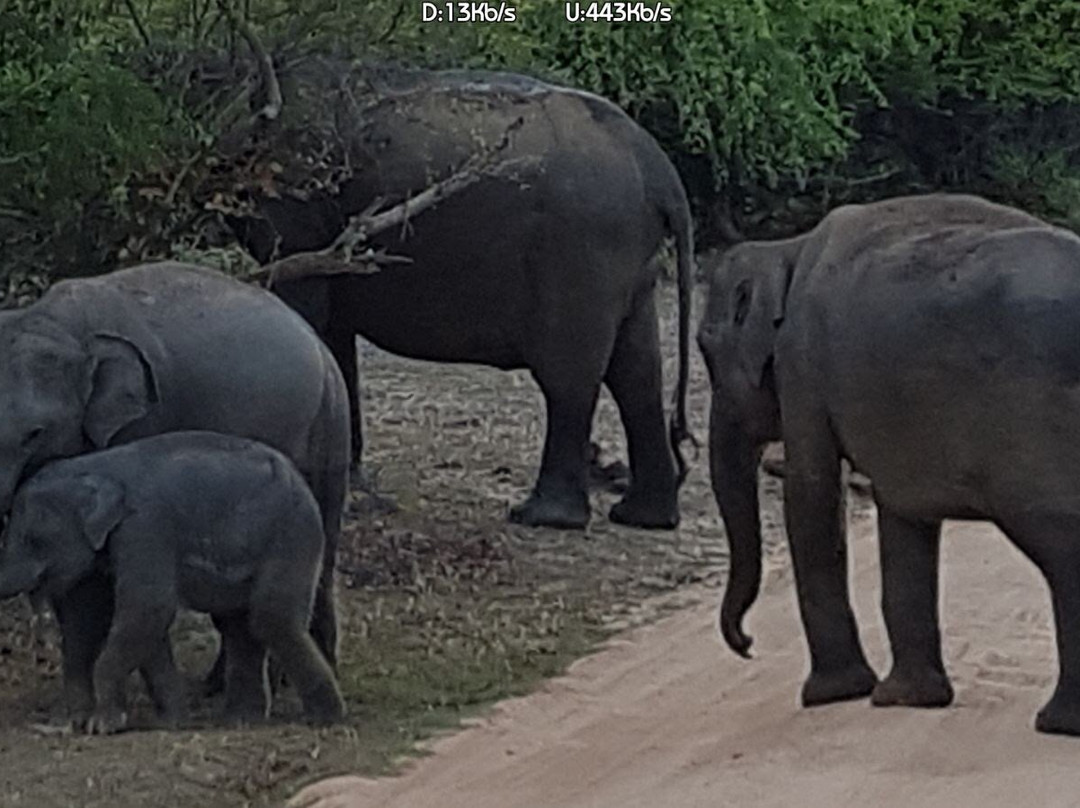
(10, 476)
(18, 577)
(733, 461)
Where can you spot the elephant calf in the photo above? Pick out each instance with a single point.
(217, 523)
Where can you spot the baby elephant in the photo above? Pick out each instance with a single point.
(216, 523)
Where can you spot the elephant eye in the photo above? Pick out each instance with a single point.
(33, 435)
(742, 302)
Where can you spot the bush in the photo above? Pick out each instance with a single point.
(773, 101)
(774, 110)
(75, 127)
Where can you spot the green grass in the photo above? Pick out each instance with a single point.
(419, 664)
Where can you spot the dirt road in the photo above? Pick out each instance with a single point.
(668, 717)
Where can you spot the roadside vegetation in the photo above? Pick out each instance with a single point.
(118, 117)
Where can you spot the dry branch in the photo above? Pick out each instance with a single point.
(362, 227)
(393, 23)
(274, 99)
(143, 35)
(344, 255)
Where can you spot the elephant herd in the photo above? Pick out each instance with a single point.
(174, 437)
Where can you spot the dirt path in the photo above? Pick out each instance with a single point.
(668, 717)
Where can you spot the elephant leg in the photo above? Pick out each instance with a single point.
(329, 484)
(1061, 715)
(324, 619)
(571, 339)
(165, 684)
(274, 623)
(1052, 542)
(84, 614)
(134, 639)
(342, 344)
(635, 378)
(560, 498)
(247, 689)
(909, 573)
(814, 513)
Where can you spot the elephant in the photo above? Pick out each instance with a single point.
(931, 342)
(216, 523)
(163, 347)
(550, 269)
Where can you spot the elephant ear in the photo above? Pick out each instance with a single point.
(101, 508)
(123, 387)
(760, 300)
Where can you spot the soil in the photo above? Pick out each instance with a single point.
(445, 607)
(666, 716)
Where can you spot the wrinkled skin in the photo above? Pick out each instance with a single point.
(164, 347)
(215, 523)
(551, 269)
(931, 342)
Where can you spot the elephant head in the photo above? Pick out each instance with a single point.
(58, 523)
(744, 310)
(61, 394)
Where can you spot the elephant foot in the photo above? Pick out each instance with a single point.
(170, 711)
(547, 511)
(247, 700)
(170, 722)
(915, 689)
(78, 720)
(1060, 716)
(371, 504)
(650, 514)
(246, 713)
(106, 722)
(367, 500)
(80, 704)
(854, 682)
(327, 710)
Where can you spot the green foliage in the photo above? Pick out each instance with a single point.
(1008, 52)
(70, 129)
(75, 126)
(761, 88)
(109, 151)
(773, 94)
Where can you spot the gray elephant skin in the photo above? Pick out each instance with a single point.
(166, 347)
(931, 341)
(215, 523)
(550, 269)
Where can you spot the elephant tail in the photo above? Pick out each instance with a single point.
(681, 226)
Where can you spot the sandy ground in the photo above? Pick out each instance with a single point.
(666, 716)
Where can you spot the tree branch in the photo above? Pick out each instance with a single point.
(13, 159)
(138, 23)
(17, 215)
(393, 23)
(344, 255)
(361, 228)
(274, 100)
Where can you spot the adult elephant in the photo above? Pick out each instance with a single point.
(932, 342)
(159, 348)
(550, 267)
